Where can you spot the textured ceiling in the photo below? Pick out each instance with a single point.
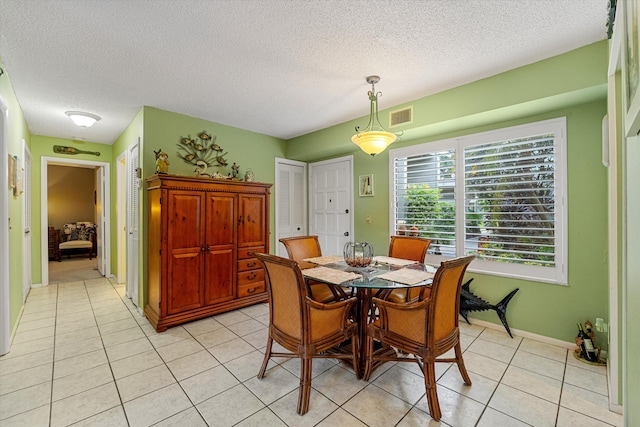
(278, 67)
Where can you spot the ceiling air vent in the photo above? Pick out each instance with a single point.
(401, 117)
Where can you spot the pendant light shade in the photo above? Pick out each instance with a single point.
(373, 139)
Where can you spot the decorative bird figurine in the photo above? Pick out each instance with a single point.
(201, 168)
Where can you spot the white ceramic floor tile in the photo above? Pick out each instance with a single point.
(25, 400)
(539, 364)
(84, 405)
(246, 327)
(170, 336)
(231, 317)
(276, 383)
(265, 418)
(192, 364)
(66, 351)
(81, 381)
(589, 403)
(75, 336)
(130, 348)
(133, 364)
(484, 365)
(202, 326)
(123, 336)
(569, 418)
(457, 410)
(215, 337)
(376, 407)
(401, 383)
(584, 378)
(532, 383)
(319, 408)
(187, 418)
(179, 349)
(230, 407)
(523, 406)
(157, 406)
(543, 349)
(500, 337)
(38, 417)
(493, 418)
(493, 350)
(62, 368)
(8, 366)
(113, 417)
(208, 383)
(338, 384)
(231, 350)
(144, 382)
(118, 325)
(481, 388)
(25, 378)
(340, 417)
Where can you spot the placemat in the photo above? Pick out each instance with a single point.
(322, 260)
(330, 275)
(393, 261)
(407, 276)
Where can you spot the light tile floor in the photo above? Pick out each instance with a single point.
(83, 356)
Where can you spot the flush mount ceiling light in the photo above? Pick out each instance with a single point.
(374, 138)
(84, 120)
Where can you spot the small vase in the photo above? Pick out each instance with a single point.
(413, 230)
(249, 176)
(402, 230)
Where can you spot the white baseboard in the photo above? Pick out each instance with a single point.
(525, 334)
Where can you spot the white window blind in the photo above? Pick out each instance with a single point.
(497, 195)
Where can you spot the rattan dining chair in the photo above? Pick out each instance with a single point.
(302, 247)
(413, 249)
(425, 329)
(304, 327)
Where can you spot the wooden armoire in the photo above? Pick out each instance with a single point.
(202, 233)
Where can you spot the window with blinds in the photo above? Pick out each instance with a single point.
(497, 195)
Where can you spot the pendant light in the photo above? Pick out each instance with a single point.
(373, 139)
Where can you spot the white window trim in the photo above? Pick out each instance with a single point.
(557, 126)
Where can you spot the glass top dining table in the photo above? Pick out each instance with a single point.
(378, 279)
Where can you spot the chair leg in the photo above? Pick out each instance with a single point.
(304, 394)
(461, 367)
(429, 372)
(267, 356)
(354, 353)
(368, 368)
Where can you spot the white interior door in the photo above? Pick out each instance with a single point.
(26, 221)
(133, 221)
(331, 190)
(291, 205)
(100, 219)
(121, 216)
(5, 322)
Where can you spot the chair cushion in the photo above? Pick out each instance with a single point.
(76, 244)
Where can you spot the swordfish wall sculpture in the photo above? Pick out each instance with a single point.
(471, 302)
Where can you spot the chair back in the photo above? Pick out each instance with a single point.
(444, 302)
(287, 292)
(409, 247)
(301, 247)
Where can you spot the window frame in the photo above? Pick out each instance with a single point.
(557, 127)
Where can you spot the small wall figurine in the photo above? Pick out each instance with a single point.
(162, 161)
(235, 169)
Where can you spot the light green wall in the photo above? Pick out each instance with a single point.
(571, 85)
(42, 146)
(17, 131)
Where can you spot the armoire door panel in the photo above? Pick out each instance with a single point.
(184, 273)
(218, 278)
(252, 220)
(220, 219)
(185, 220)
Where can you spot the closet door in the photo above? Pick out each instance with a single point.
(220, 247)
(186, 246)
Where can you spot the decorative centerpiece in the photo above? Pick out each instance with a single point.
(202, 153)
(358, 254)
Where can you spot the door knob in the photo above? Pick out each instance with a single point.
(346, 233)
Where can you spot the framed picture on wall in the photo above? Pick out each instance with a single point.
(631, 57)
(365, 185)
